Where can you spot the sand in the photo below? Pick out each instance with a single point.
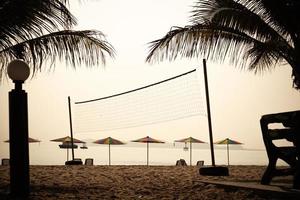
(132, 182)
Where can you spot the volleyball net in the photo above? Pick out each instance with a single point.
(171, 99)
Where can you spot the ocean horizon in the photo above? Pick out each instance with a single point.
(49, 153)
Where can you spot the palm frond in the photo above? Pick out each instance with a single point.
(257, 33)
(73, 47)
(247, 16)
(20, 20)
(209, 40)
(218, 43)
(263, 56)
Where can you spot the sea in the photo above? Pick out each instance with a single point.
(49, 153)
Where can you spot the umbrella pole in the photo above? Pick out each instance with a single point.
(227, 154)
(109, 154)
(147, 153)
(208, 115)
(67, 154)
(190, 153)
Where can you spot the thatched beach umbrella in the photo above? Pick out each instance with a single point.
(228, 141)
(148, 140)
(109, 141)
(30, 140)
(67, 143)
(190, 140)
(67, 139)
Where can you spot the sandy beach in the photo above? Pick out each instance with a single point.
(132, 182)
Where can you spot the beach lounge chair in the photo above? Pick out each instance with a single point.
(89, 161)
(290, 154)
(200, 163)
(181, 162)
(5, 161)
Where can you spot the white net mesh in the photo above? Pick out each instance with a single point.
(171, 99)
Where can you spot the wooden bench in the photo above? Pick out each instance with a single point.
(289, 154)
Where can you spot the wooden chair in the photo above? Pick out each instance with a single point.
(200, 163)
(89, 161)
(289, 154)
(181, 162)
(5, 161)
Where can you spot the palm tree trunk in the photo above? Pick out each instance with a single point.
(296, 64)
(296, 76)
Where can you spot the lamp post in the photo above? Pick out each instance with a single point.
(18, 71)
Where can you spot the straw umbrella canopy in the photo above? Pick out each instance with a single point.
(67, 143)
(228, 141)
(67, 139)
(109, 141)
(148, 140)
(190, 140)
(30, 140)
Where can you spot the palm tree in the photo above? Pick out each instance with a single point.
(258, 34)
(36, 31)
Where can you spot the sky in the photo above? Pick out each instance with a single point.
(238, 97)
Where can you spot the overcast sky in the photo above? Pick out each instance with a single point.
(238, 97)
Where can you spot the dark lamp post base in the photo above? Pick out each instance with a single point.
(74, 162)
(214, 171)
